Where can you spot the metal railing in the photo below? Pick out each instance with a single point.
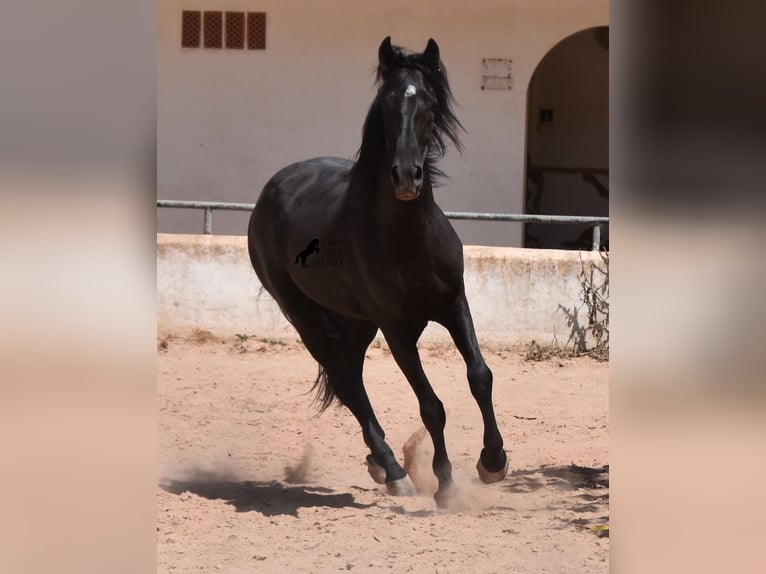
(596, 222)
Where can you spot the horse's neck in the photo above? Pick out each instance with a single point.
(374, 207)
(404, 223)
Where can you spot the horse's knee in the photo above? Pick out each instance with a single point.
(480, 381)
(432, 413)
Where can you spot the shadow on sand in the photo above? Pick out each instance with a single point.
(589, 488)
(269, 498)
(570, 477)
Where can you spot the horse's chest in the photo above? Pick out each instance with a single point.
(405, 278)
(415, 290)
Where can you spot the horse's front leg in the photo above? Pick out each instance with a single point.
(403, 345)
(493, 462)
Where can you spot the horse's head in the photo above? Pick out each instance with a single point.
(414, 103)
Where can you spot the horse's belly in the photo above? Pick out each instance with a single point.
(325, 285)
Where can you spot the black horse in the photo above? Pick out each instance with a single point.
(402, 262)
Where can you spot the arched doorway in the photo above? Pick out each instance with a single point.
(568, 140)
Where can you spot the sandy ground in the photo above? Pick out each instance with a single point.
(251, 480)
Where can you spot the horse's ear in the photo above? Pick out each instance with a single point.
(432, 54)
(385, 57)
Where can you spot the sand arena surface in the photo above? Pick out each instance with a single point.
(251, 480)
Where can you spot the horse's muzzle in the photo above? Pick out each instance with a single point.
(406, 193)
(407, 180)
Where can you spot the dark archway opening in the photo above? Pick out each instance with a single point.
(568, 140)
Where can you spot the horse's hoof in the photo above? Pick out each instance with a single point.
(377, 472)
(401, 487)
(488, 477)
(445, 496)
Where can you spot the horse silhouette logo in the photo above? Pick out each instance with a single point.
(312, 247)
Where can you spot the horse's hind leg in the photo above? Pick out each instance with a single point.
(339, 344)
(493, 462)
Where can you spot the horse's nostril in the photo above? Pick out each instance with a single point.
(395, 175)
(418, 173)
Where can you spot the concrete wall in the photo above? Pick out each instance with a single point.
(516, 295)
(228, 119)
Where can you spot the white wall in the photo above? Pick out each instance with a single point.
(516, 295)
(228, 119)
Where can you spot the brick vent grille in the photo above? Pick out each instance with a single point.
(256, 30)
(191, 29)
(235, 30)
(213, 29)
(217, 29)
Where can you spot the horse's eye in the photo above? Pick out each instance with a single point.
(387, 101)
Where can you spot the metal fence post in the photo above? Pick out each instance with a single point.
(208, 229)
(596, 237)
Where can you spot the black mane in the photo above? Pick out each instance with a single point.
(446, 125)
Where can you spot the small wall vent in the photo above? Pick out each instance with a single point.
(213, 28)
(191, 29)
(235, 30)
(256, 30)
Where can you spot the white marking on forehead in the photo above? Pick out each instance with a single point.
(410, 91)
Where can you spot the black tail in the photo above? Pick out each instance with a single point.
(325, 396)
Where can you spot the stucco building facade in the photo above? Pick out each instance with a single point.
(228, 118)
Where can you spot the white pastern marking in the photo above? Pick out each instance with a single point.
(410, 91)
